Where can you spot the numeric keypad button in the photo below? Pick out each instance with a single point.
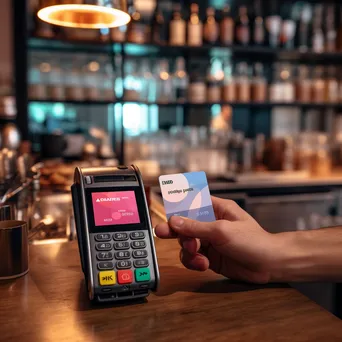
(121, 245)
(137, 235)
(105, 265)
(105, 256)
(138, 244)
(120, 236)
(122, 255)
(124, 264)
(102, 237)
(105, 246)
(140, 254)
(140, 263)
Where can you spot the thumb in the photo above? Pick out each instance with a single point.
(195, 229)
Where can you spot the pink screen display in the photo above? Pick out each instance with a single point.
(112, 208)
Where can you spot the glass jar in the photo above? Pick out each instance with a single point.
(229, 84)
(148, 91)
(132, 83)
(92, 79)
(318, 85)
(332, 86)
(259, 85)
(304, 152)
(276, 87)
(107, 83)
(197, 88)
(303, 84)
(164, 83)
(36, 89)
(74, 78)
(56, 88)
(180, 81)
(288, 87)
(321, 159)
(289, 154)
(243, 83)
(214, 82)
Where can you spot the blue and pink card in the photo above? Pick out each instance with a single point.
(187, 195)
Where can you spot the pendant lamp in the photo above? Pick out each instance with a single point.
(91, 14)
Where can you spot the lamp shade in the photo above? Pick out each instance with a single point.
(92, 14)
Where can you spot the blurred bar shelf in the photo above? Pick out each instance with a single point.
(72, 102)
(255, 105)
(148, 50)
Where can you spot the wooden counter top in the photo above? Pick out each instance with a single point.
(50, 304)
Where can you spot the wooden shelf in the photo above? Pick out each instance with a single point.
(173, 104)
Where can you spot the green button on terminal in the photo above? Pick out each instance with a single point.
(142, 274)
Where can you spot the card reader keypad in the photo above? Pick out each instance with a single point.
(124, 254)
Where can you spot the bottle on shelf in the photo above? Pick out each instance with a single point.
(36, 89)
(303, 84)
(304, 27)
(288, 87)
(197, 88)
(180, 81)
(229, 84)
(132, 81)
(41, 28)
(259, 26)
(318, 41)
(259, 85)
(339, 32)
(288, 33)
(195, 27)
(331, 33)
(318, 85)
(211, 27)
(331, 86)
(56, 88)
(92, 79)
(106, 74)
(227, 27)
(74, 78)
(243, 83)
(138, 30)
(119, 78)
(242, 27)
(214, 81)
(148, 89)
(260, 142)
(177, 27)
(164, 84)
(118, 34)
(274, 27)
(159, 28)
(276, 89)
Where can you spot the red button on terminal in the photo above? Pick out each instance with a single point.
(125, 277)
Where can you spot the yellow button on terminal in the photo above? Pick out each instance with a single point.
(107, 278)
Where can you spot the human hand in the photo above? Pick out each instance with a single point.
(235, 245)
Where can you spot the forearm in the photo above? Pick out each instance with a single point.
(308, 256)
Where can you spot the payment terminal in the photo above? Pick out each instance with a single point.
(114, 233)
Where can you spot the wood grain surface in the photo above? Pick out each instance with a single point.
(50, 304)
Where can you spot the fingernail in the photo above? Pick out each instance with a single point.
(177, 221)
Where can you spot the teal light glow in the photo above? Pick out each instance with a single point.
(58, 110)
(215, 110)
(37, 114)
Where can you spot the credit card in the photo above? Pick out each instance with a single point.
(187, 195)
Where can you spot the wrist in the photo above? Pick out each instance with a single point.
(292, 257)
